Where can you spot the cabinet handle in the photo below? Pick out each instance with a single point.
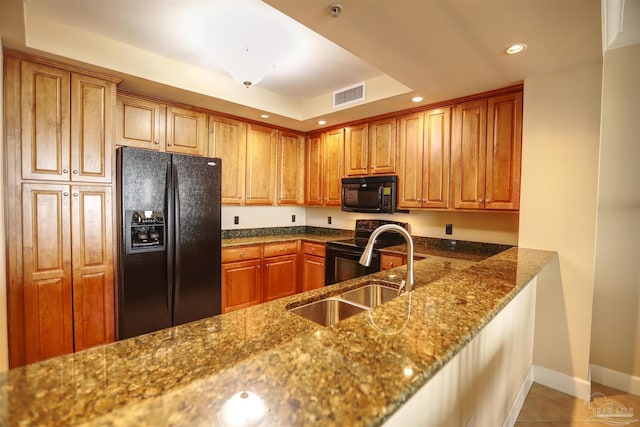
(65, 170)
(75, 194)
(169, 143)
(65, 194)
(267, 265)
(75, 171)
(241, 253)
(487, 200)
(479, 200)
(259, 267)
(156, 142)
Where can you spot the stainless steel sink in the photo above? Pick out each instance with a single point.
(328, 311)
(371, 295)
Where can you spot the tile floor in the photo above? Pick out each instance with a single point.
(546, 407)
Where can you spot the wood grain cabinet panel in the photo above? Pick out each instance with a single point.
(423, 153)
(186, 131)
(241, 284)
(313, 194)
(356, 150)
(280, 276)
(290, 169)
(228, 141)
(92, 248)
(140, 123)
(333, 166)
(261, 164)
(382, 147)
(313, 266)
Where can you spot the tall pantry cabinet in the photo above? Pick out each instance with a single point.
(59, 130)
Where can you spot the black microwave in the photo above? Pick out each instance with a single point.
(374, 194)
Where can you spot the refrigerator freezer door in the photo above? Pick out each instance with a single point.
(196, 195)
(144, 297)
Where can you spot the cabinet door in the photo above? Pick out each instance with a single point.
(382, 147)
(290, 182)
(228, 140)
(46, 234)
(312, 272)
(313, 171)
(241, 284)
(436, 148)
(504, 145)
(92, 246)
(333, 164)
(140, 123)
(186, 131)
(261, 163)
(410, 158)
(280, 276)
(92, 102)
(356, 150)
(45, 122)
(468, 151)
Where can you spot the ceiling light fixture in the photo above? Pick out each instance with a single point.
(417, 99)
(515, 48)
(264, 116)
(334, 10)
(249, 64)
(322, 122)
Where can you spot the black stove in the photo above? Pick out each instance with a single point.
(342, 256)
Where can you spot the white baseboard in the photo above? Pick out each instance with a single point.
(618, 380)
(562, 382)
(518, 402)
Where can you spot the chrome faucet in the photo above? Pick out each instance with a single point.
(365, 259)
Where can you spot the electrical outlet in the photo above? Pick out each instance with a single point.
(293, 218)
(448, 229)
(236, 220)
(328, 220)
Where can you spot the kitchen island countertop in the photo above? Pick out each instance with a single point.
(352, 373)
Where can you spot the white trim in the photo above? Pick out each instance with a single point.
(562, 382)
(618, 380)
(518, 402)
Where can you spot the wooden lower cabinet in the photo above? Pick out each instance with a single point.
(313, 262)
(67, 271)
(241, 284)
(389, 261)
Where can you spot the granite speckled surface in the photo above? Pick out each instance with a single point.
(357, 372)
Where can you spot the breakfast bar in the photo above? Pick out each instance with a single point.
(359, 371)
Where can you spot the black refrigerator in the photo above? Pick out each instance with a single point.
(169, 240)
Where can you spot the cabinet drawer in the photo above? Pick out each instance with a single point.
(310, 248)
(240, 253)
(281, 248)
(388, 261)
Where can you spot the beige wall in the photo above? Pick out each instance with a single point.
(561, 132)
(4, 353)
(615, 337)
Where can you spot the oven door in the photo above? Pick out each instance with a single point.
(342, 263)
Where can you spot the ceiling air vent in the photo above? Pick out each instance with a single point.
(348, 95)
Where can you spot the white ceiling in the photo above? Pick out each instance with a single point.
(439, 49)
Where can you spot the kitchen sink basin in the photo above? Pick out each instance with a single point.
(328, 311)
(371, 295)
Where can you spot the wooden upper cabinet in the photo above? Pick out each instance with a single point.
(261, 156)
(486, 153)
(333, 166)
(186, 131)
(468, 154)
(356, 150)
(140, 123)
(92, 102)
(313, 190)
(92, 261)
(47, 274)
(436, 152)
(66, 125)
(382, 147)
(290, 169)
(45, 122)
(504, 152)
(228, 141)
(423, 173)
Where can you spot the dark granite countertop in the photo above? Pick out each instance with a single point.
(352, 373)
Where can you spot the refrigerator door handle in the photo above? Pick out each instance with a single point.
(169, 225)
(176, 210)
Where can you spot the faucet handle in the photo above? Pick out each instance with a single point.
(401, 287)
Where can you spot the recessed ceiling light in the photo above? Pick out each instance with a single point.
(515, 48)
(264, 116)
(417, 99)
(322, 122)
